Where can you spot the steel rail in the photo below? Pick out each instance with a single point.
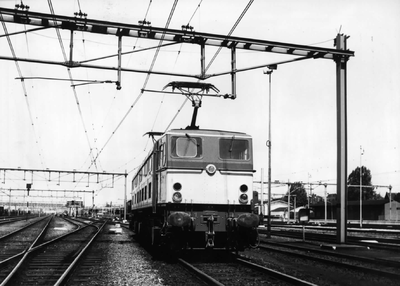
(25, 255)
(270, 246)
(268, 271)
(277, 274)
(340, 263)
(59, 238)
(33, 249)
(384, 244)
(20, 229)
(14, 232)
(199, 273)
(67, 272)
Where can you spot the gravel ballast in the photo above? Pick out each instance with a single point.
(122, 261)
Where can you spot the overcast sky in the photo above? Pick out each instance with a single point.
(54, 127)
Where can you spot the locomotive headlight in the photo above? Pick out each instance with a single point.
(177, 186)
(177, 197)
(211, 169)
(243, 199)
(244, 188)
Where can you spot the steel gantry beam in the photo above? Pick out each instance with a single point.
(156, 33)
(62, 171)
(48, 190)
(59, 172)
(174, 36)
(73, 173)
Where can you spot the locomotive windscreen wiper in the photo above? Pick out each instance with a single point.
(192, 139)
(231, 146)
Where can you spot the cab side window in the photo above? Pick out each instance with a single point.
(161, 157)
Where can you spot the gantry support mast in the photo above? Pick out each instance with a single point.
(341, 135)
(340, 55)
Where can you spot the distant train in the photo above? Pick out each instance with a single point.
(193, 191)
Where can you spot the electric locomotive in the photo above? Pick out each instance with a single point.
(194, 190)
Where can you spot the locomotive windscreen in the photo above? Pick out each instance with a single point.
(186, 147)
(234, 149)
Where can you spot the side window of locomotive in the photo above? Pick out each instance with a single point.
(161, 158)
(234, 149)
(149, 165)
(145, 169)
(186, 147)
(150, 190)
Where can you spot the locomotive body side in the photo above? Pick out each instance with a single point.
(193, 190)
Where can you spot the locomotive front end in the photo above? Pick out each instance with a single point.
(206, 189)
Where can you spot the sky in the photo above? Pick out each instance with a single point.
(54, 126)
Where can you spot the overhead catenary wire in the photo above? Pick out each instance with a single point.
(214, 57)
(91, 153)
(89, 94)
(230, 32)
(195, 11)
(176, 59)
(73, 87)
(79, 5)
(186, 98)
(144, 84)
(37, 137)
(144, 22)
(148, 9)
(188, 25)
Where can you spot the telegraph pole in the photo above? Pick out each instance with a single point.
(361, 173)
(269, 144)
(125, 190)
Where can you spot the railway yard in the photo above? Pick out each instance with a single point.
(54, 250)
(114, 185)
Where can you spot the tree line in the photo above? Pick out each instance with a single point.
(299, 191)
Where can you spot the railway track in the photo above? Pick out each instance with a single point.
(84, 274)
(15, 243)
(15, 225)
(6, 220)
(235, 270)
(377, 264)
(383, 234)
(371, 239)
(45, 261)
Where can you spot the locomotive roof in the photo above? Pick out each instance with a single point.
(207, 132)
